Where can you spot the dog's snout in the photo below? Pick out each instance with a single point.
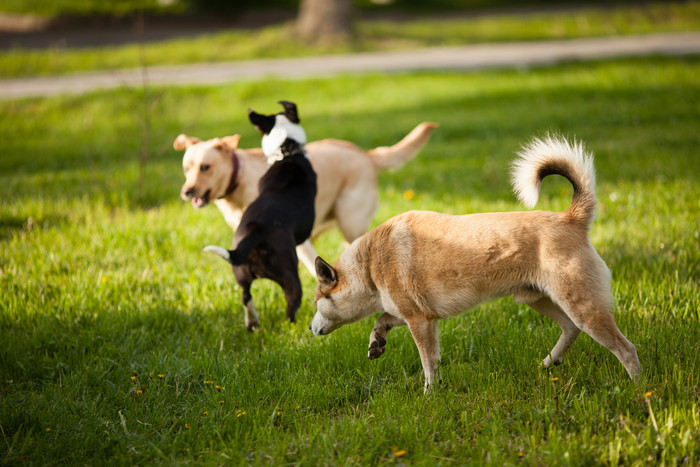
(187, 192)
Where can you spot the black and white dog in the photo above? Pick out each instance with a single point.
(280, 218)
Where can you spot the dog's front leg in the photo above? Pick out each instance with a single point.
(425, 333)
(377, 338)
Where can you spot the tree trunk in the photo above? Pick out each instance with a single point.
(324, 20)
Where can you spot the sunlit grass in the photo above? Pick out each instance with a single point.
(105, 289)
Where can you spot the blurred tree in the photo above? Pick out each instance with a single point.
(324, 20)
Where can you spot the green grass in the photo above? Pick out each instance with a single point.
(104, 287)
(278, 41)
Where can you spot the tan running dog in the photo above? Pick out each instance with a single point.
(420, 267)
(215, 170)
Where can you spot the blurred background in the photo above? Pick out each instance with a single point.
(24, 23)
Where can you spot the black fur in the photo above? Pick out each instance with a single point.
(281, 217)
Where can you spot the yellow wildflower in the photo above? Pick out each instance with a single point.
(409, 194)
(554, 380)
(139, 392)
(133, 378)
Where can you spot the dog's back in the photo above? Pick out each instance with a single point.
(286, 196)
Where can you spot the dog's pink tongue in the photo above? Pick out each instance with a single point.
(197, 202)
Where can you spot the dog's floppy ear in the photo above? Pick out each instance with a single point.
(327, 276)
(229, 142)
(264, 123)
(183, 142)
(290, 111)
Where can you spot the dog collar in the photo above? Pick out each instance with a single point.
(233, 183)
(290, 147)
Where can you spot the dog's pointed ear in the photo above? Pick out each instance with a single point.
(183, 142)
(327, 276)
(229, 142)
(264, 123)
(290, 111)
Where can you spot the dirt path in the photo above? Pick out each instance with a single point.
(503, 55)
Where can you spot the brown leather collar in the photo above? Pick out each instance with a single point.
(233, 183)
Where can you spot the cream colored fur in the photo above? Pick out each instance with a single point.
(420, 267)
(347, 179)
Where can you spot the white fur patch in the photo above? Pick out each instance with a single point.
(217, 250)
(540, 152)
(282, 130)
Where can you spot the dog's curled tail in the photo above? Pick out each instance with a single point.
(554, 155)
(388, 157)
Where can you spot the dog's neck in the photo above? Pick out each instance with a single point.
(233, 182)
(288, 148)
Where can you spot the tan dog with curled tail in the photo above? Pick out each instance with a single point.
(420, 267)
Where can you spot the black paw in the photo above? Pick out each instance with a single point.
(376, 348)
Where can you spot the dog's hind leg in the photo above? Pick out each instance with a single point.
(377, 338)
(285, 273)
(244, 279)
(600, 325)
(425, 334)
(252, 318)
(569, 331)
(595, 319)
(292, 294)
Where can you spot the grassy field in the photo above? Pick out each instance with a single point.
(121, 343)
(278, 41)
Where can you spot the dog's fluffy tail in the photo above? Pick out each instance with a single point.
(554, 155)
(386, 157)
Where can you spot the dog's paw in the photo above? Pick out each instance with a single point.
(376, 347)
(252, 325)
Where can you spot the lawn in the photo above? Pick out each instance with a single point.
(121, 343)
(370, 35)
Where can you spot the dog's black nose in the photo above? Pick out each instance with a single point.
(309, 327)
(189, 192)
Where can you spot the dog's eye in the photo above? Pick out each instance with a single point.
(204, 167)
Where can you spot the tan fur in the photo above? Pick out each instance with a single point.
(347, 179)
(420, 266)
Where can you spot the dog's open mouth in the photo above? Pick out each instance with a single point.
(201, 202)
